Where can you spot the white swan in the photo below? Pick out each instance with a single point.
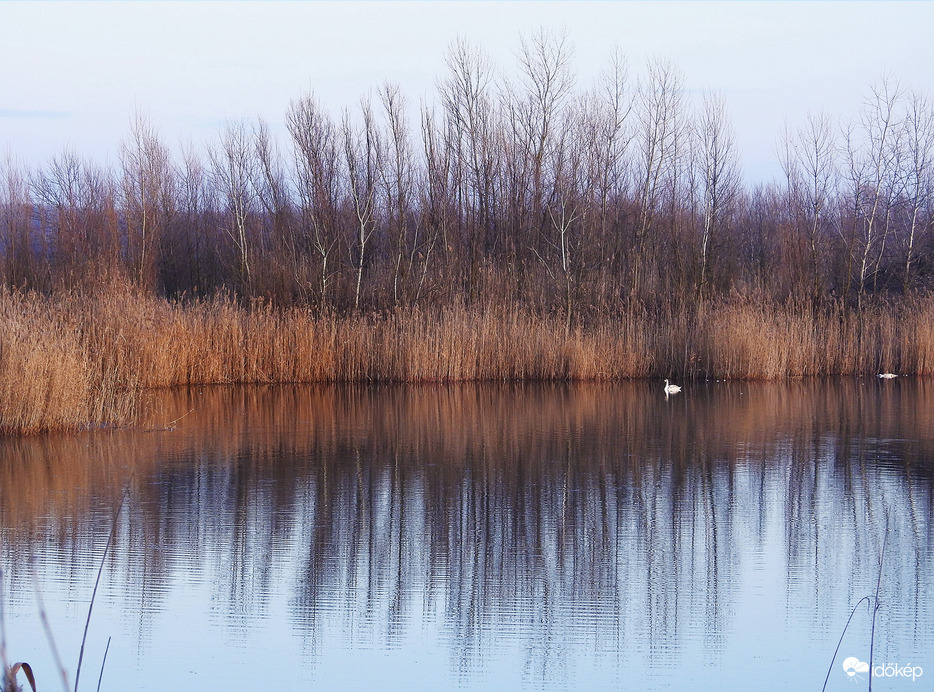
(887, 375)
(671, 388)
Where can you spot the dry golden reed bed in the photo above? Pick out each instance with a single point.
(72, 361)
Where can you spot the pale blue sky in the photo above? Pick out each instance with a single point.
(73, 72)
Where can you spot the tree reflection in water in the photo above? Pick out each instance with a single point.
(546, 519)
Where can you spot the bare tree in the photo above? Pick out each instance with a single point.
(612, 134)
(398, 181)
(660, 109)
(233, 168)
(809, 162)
(565, 194)
(272, 192)
(21, 265)
(193, 244)
(918, 137)
(465, 96)
(719, 173)
(317, 164)
(362, 158)
(852, 202)
(437, 204)
(148, 197)
(878, 163)
(547, 81)
(78, 216)
(270, 184)
(57, 190)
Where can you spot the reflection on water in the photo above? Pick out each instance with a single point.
(480, 537)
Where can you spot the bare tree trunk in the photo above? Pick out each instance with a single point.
(881, 131)
(660, 112)
(398, 180)
(362, 155)
(613, 130)
(273, 195)
(810, 169)
(317, 172)
(719, 174)
(147, 197)
(919, 138)
(233, 167)
(436, 195)
(465, 94)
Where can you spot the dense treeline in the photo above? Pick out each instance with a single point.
(571, 201)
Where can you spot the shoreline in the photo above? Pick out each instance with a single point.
(70, 361)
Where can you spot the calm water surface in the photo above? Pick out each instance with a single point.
(583, 537)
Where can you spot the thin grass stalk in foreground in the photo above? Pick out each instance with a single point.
(100, 570)
(874, 603)
(840, 641)
(875, 607)
(103, 663)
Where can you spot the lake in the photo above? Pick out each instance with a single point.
(481, 537)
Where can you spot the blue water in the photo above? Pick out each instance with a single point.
(479, 537)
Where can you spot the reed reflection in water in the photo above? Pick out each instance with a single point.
(478, 536)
